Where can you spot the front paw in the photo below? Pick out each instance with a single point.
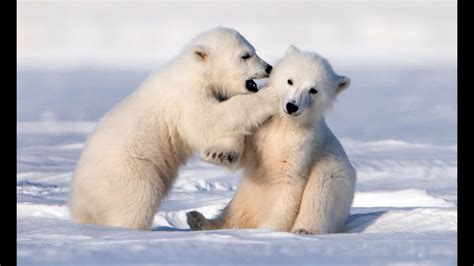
(195, 220)
(302, 232)
(218, 155)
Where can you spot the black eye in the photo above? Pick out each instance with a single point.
(313, 91)
(290, 82)
(246, 56)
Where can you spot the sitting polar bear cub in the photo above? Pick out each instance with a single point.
(131, 159)
(297, 176)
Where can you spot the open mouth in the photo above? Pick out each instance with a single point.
(251, 85)
(294, 114)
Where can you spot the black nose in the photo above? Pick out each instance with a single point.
(268, 69)
(291, 108)
(251, 85)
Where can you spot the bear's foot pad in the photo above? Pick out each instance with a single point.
(196, 220)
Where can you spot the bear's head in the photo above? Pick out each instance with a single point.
(306, 83)
(228, 62)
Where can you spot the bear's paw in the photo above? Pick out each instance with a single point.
(220, 156)
(195, 220)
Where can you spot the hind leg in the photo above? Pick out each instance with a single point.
(136, 206)
(138, 220)
(133, 208)
(126, 197)
(326, 201)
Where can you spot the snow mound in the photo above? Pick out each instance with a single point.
(416, 220)
(401, 198)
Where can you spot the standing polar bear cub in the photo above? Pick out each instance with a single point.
(131, 159)
(297, 177)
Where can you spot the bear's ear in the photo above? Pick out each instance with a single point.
(292, 49)
(200, 52)
(342, 83)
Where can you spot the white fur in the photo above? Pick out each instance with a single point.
(297, 175)
(131, 159)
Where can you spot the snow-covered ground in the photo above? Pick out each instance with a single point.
(397, 123)
(404, 211)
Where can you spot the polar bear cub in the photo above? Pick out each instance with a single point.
(203, 99)
(297, 177)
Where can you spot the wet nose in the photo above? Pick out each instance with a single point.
(291, 108)
(268, 69)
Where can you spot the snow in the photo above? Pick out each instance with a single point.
(404, 211)
(397, 122)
